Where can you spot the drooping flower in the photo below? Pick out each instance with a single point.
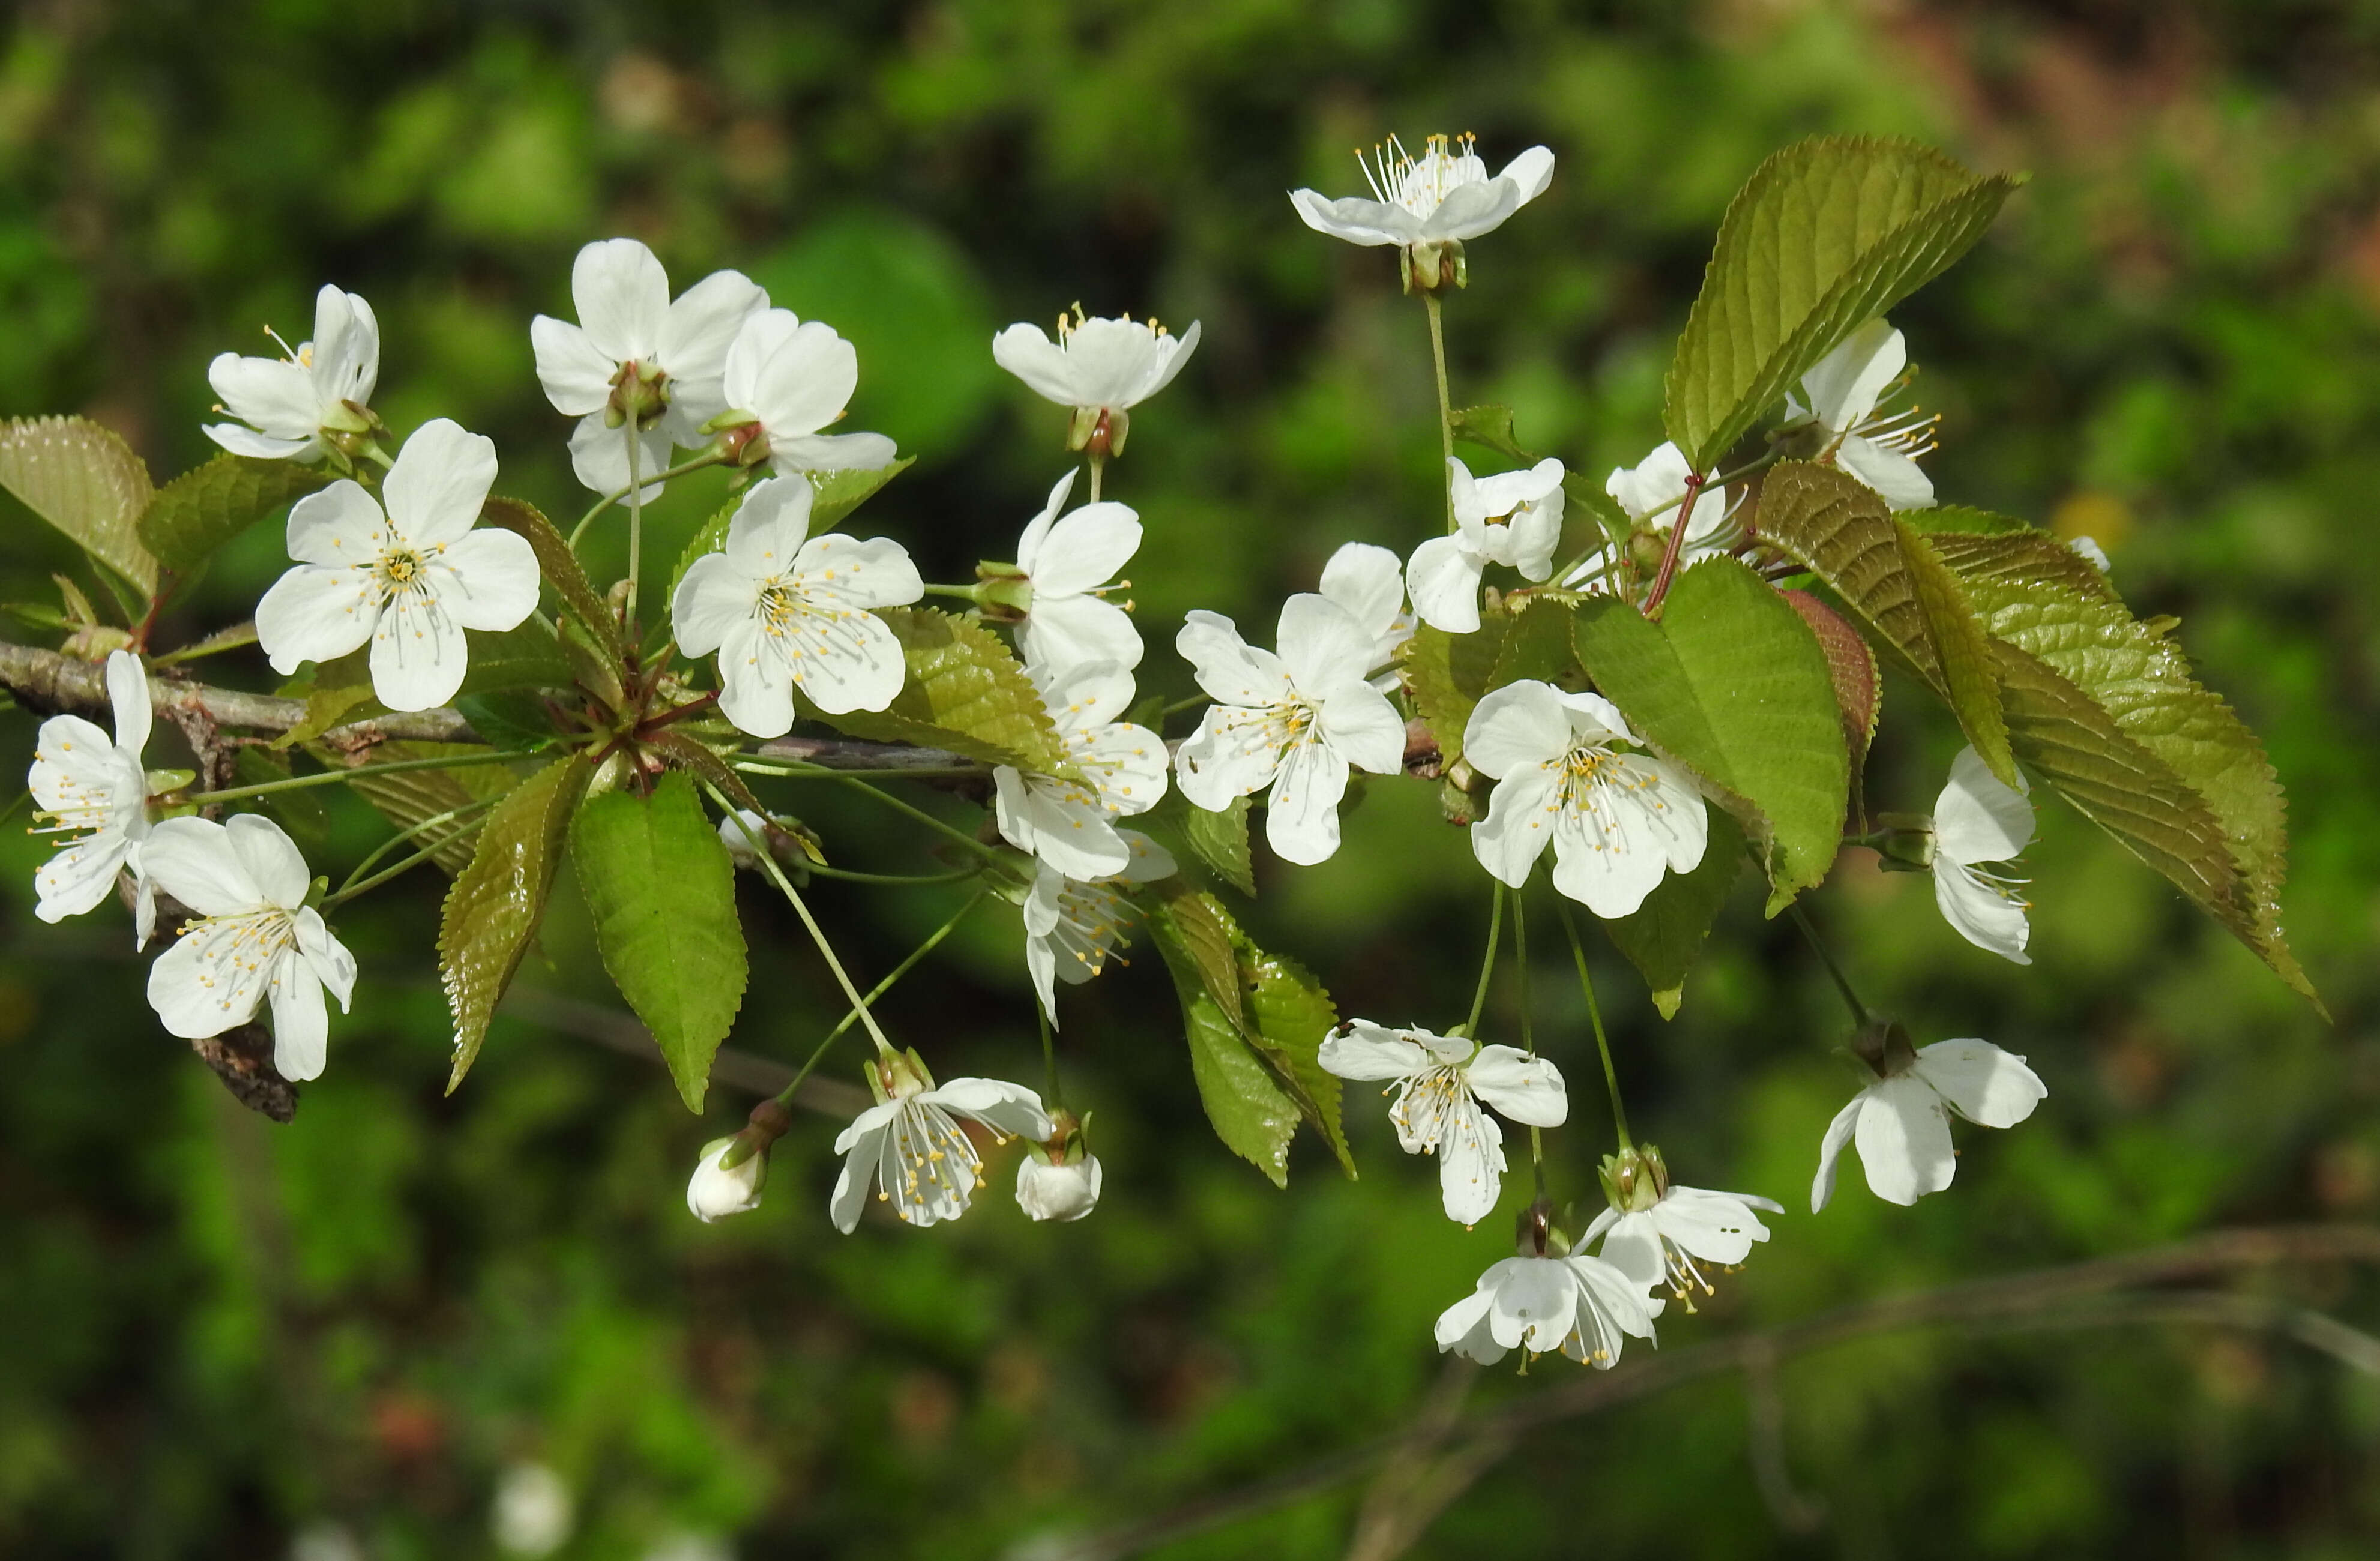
(786, 610)
(1295, 721)
(1066, 823)
(636, 356)
(718, 1190)
(1842, 391)
(1617, 819)
(1581, 1306)
(255, 939)
(1657, 1232)
(1977, 819)
(295, 406)
(1072, 926)
(909, 1144)
(1068, 565)
(1902, 1121)
(1101, 367)
(1058, 1190)
(1511, 518)
(793, 378)
(86, 785)
(1370, 583)
(1649, 492)
(1439, 1085)
(410, 580)
(1444, 196)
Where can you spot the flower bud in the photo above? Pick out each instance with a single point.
(718, 1188)
(1047, 1190)
(1903, 841)
(1635, 1180)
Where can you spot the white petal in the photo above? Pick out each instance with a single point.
(598, 457)
(1530, 173)
(1009, 1110)
(1302, 814)
(441, 479)
(1232, 754)
(1463, 1328)
(271, 858)
(1714, 1227)
(329, 958)
(1173, 353)
(312, 614)
(1527, 1089)
(1356, 220)
(852, 662)
(1904, 1141)
(1830, 1149)
(1067, 632)
(713, 598)
(622, 297)
(339, 527)
(77, 877)
(1027, 352)
(192, 860)
(1111, 360)
(1229, 669)
(1029, 545)
(1977, 817)
(1518, 827)
(1979, 913)
(418, 655)
(1470, 1162)
(1470, 210)
(1086, 549)
(246, 441)
(204, 984)
(1443, 579)
(128, 695)
(1634, 1247)
(832, 453)
(1516, 727)
(858, 1173)
(1363, 728)
(1370, 1051)
(699, 327)
(1897, 479)
(301, 1023)
(277, 397)
(767, 532)
(1659, 478)
(488, 580)
(805, 383)
(1369, 582)
(576, 378)
(1536, 1303)
(1843, 385)
(1321, 644)
(1982, 1082)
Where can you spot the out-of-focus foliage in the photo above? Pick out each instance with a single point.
(215, 1333)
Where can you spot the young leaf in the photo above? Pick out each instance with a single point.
(1251, 1114)
(2022, 558)
(561, 568)
(527, 657)
(661, 889)
(1826, 234)
(1201, 940)
(1959, 517)
(1447, 674)
(335, 692)
(839, 493)
(1536, 644)
(1668, 931)
(496, 903)
(412, 796)
(1957, 638)
(1730, 683)
(86, 481)
(1220, 840)
(1859, 686)
(210, 504)
(966, 692)
(1290, 1014)
(1491, 427)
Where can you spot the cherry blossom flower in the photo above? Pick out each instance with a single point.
(296, 407)
(793, 378)
(1068, 565)
(86, 785)
(1101, 367)
(410, 580)
(910, 1144)
(786, 610)
(1657, 1232)
(1440, 1083)
(1581, 1306)
(634, 354)
(1842, 391)
(1443, 195)
(1293, 721)
(1053, 1190)
(1978, 819)
(1072, 925)
(1369, 583)
(1617, 819)
(1902, 1121)
(1649, 492)
(255, 939)
(1511, 518)
(718, 1190)
(1067, 823)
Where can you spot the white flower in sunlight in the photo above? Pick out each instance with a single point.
(1099, 366)
(1444, 194)
(85, 784)
(911, 1146)
(718, 1190)
(1580, 1305)
(634, 353)
(534, 1512)
(1369, 583)
(1977, 819)
(1511, 518)
(320, 387)
(410, 580)
(1067, 823)
(786, 610)
(1439, 1085)
(1617, 820)
(1069, 566)
(2092, 552)
(1295, 721)
(794, 378)
(1051, 1190)
(1659, 1233)
(1072, 925)
(255, 939)
(1901, 1122)
(1649, 492)
(1843, 391)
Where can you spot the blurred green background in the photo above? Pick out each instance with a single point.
(219, 1337)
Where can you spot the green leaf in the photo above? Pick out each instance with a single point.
(1956, 638)
(1290, 1015)
(1731, 684)
(1859, 686)
(1220, 840)
(515, 720)
(1201, 940)
(497, 901)
(561, 569)
(661, 889)
(335, 692)
(1826, 234)
(966, 692)
(1491, 427)
(1446, 675)
(1536, 644)
(1668, 931)
(411, 796)
(208, 506)
(838, 493)
(1959, 517)
(86, 481)
(1251, 1113)
(1991, 563)
(527, 657)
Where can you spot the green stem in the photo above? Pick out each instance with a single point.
(350, 890)
(818, 1053)
(708, 458)
(1843, 982)
(1179, 706)
(331, 776)
(636, 526)
(1054, 1094)
(846, 875)
(1098, 470)
(423, 827)
(1595, 1015)
(1528, 1036)
(964, 593)
(1445, 404)
(989, 852)
(809, 923)
(802, 769)
(1486, 962)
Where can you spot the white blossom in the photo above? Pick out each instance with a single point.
(1684, 1228)
(635, 351)
(1439, 1085)
(2091, 553)
(1069, 824)
(718, 1190)
(1069, 565)
(1072, 926)
(786, 610)
(1056, 1190)
(1901, 1122)
(1370, 583)
(1444, 194)
(794, 378)
(1842, 391)
(534, 1511)
(1977, 819)
(1295, 721)
(1617, 819)
(736, 832)
(320, 388)
(1581, 1306)
(911, 1147)
(1511, 518)
(1096, 364)
(1649, 492)
(255, 939)
(409, 580)
(90, 786)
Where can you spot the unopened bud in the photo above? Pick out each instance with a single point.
(1055, 1190)
(719, 1188)
(1635, 1180)
(1903, 841)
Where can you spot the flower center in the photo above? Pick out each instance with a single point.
(1418, 184)
(241, 946)
(401, 570)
